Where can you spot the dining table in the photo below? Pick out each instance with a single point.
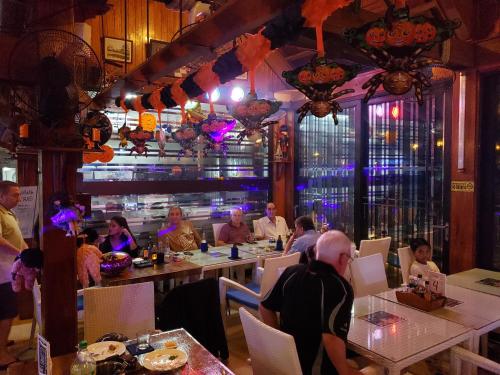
(396, 336)
(475, 310)
(478, 279)
(200, 360)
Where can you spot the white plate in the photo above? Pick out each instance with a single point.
(160, 360)
(100, 350)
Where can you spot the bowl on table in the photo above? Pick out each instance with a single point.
(115, 262)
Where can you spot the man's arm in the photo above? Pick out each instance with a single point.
(8, 248)
(269, 317)
(335, 348)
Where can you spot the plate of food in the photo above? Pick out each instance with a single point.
(164, 360)
(105, 349)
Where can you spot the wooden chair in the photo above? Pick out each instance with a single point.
(368, 275)
(126, 309)
(271, 351)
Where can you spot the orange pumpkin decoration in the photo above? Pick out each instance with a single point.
(148, 122)
(375, 37)
(107, 155)
(425, 32)
(402, 34)
(305, 77)
(90, 157)
(321, 75)
(337, 74)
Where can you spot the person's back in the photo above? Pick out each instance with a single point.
(315, 299)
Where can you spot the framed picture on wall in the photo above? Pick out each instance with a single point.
(154, 46)
(114, 49)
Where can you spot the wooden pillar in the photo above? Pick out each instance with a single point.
(59, 315)
(282, 174)
(464, 176)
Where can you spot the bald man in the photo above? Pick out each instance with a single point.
(236, 231)
(315, 304)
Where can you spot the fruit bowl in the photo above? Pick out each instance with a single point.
(115, 262)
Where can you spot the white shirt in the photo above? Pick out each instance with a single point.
(266, 228)
(423, 269)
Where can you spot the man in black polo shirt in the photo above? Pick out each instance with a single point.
(315, 303)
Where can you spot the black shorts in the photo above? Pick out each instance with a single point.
(8, 302)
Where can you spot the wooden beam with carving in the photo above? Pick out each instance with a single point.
(232, 20)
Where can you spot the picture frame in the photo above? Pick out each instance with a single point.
(154, 46)
(114, 49)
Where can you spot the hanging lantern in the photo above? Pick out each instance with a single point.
(396, 43)
(148, 122)
(23, 131)
(96, 130)
(317, 80)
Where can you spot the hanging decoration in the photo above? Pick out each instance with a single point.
(251, 112)
(214, 131)
(228, 66)
(96, 130)
(187, 137)
(162, 138)
(123, 134)
(148, 122)
(139, 137)
(318, 80)
(396, 43)
(316, 12)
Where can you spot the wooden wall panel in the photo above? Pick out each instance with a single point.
(163, 23)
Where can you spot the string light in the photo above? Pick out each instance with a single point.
(395, 112)
(237, 94)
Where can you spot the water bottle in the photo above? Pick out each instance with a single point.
(279, 244)
(83, 364)
(203, 244)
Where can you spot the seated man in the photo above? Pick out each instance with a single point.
(270, 226)
(236, 231)
(315, 304)
(304, 236)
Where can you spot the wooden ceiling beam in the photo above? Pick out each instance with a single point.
(464, 10)
(232, 20)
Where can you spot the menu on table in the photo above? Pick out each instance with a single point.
(382, 318)
(490, 282)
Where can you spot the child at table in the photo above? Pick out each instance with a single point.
(422, 264)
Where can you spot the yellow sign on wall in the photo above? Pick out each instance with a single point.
(462, 186)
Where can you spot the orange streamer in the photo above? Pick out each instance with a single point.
(251, 77)
(139, 108)
(320, 46)
(206, 79)
(178, 94)
(155, 101)
(399, 4)
(317, 11)
(253, 50)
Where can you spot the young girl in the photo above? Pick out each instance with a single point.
(422, 263)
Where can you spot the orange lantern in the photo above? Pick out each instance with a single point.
(148, 121)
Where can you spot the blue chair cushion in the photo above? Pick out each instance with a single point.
(79, 303)
(244, 298)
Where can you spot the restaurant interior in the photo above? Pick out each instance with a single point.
(189, 173)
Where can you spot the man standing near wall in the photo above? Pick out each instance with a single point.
(11, 243)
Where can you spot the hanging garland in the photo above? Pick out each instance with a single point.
(395, 43)
(318, 80)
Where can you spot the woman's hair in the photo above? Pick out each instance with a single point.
(174, 208)
(415, 243)
(121, 221)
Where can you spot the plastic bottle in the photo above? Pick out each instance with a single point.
(83, 364)
(203, 244)
(279, 244)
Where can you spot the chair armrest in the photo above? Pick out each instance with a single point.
(258, 274)
(225, 283)
(475, 359)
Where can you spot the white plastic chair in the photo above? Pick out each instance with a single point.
(126, 309)
(272, 351)
(216, 228)
(406, 258)
(459, 355)
(368, 275)
(255, 224)
(370, 247)
(252, 293)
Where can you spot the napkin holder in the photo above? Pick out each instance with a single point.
(414, 300)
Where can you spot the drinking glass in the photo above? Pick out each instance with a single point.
(143, 340)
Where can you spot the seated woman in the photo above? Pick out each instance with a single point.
(422, 264)
(120, 238)
(88, 258)
(178, 234)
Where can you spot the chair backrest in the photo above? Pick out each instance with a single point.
(217, 227)
(272, 272)
(126, 309)
(272, 351)
(37, 303)
(370, 247)
(255, 224)
(406, 258)
(368, 275)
